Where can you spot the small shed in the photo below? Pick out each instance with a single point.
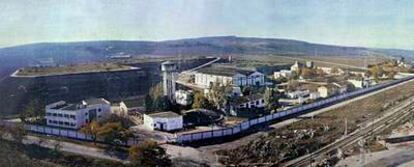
(163, 121)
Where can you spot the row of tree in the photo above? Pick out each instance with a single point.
(220, 97)
(114, 131)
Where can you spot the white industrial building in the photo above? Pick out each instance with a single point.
(332, 70)
(206, 77)
(119, 109)
(163, 121)
(358, 82)
(74, 116)
(297, 93)
(314, 95)
(282, 74)
(295, 67)
(250, 101)
(327, 90)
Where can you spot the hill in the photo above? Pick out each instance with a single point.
(81, 52)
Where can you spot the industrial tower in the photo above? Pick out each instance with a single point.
(169, 70)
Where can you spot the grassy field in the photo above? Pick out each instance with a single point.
(351, 63)
(71, 69)
(153, 58)
(360, 61)
(309, 135)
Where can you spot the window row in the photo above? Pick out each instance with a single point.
(61, 115)
(62, 123)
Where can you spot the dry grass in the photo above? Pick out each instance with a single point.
(354, 62)
(327, 127)
(71, 69)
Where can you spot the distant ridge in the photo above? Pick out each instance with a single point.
(92, 51)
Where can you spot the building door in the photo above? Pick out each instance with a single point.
(163, 126)
(92, 114)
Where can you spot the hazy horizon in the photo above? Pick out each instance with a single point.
(378, 24)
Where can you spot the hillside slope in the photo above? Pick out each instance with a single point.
(75, 52)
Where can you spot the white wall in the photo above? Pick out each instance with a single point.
(238, 79)
(205, 79)
(171, 123)
(81, 115)
(259, 103)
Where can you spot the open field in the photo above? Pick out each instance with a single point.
(153, 58)
(360, 61)
(310, 134)
(351, 63)
(71, 69)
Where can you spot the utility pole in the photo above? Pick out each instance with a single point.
(361, 144)
(346, 126)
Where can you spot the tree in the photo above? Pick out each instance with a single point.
(271, 98)
(109, 131)
(33, 109)
(219, 95)
(156, 99)
(246, 90)
(148, 103)
(148, 153)
(91, 129)
(156, 91)
(376, 71)
(307, 73)
(200, 101)
(161, 104)
(113, 133)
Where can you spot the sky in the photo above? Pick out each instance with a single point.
(368, 23)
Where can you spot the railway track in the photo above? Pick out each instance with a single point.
(395, 115)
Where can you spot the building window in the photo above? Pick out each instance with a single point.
(66, 123)
(257, 102)
(60, 122)
(73, 116)
(54, 114)
(50, 121)
(60, 115)
(48, 114)
(66, 115)
(262, 100)
(99, 110)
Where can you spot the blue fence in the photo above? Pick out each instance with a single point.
(239, 128)
(73, 134)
